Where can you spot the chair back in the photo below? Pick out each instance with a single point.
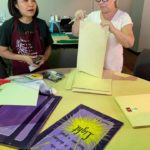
(142, 66)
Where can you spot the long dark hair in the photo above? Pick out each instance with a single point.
(15, 12)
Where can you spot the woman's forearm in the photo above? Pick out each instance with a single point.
(124, 37)
(4, 52)
(75, 27)
(47, 53)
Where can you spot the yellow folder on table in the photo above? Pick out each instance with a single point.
(81, 82)
(17, 94)
(86, 83)
(136, 108)
(92, 48)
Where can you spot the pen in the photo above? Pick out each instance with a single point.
(72, 20)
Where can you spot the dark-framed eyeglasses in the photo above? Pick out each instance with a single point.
(101, 1)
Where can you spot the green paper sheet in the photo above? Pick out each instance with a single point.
(17, 94)
(92, 47)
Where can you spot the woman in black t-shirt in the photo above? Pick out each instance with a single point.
(25, 37)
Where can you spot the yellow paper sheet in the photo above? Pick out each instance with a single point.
(92, 48)
(70, 80)
(91, 84)
(16, 94)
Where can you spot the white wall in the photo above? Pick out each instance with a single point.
(3, 8)
(63, 7)
(125, 5)
(144, 41)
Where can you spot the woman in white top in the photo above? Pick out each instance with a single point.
(120, 27)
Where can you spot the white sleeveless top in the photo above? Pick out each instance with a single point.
(114, 52)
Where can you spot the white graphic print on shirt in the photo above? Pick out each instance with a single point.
(24, 47)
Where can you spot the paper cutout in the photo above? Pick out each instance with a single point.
(19, 125)
(16, 94)
(83, 128)
(91, 49)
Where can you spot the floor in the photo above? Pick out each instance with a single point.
(129, 61)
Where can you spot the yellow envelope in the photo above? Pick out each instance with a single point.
(92, 47)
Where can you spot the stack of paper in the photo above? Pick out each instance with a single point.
(92, 47)
(82, 82)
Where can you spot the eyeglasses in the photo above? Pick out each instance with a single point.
(101, 1)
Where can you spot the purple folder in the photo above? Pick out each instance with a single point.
(19, 125)
(81, 129)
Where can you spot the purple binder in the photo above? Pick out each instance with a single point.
(81, 129)
(19, 125)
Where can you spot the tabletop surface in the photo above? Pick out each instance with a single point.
(122, 84)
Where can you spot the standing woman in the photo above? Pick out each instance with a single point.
(24, 37)
(120, 27)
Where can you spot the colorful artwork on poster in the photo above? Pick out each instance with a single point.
(82, 129)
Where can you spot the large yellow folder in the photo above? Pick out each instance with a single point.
(92, 48)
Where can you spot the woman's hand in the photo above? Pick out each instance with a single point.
(42, 61)
(29, 60)
(108, 24)
(80, 14)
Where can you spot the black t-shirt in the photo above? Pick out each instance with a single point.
(7, 28)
